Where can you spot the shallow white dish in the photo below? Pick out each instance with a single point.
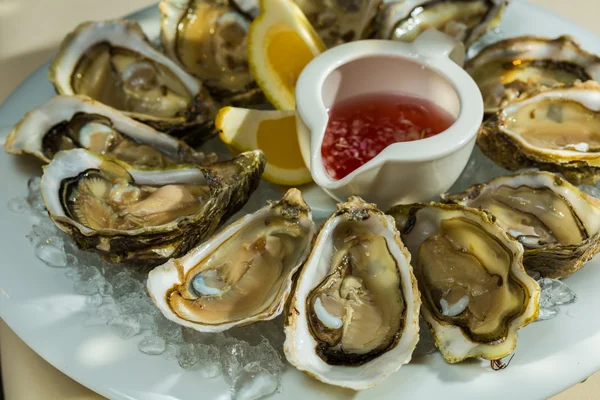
(38, 302)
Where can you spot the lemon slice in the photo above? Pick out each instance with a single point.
(273, 132)
(281, 42)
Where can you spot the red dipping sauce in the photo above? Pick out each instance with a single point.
(361, 127)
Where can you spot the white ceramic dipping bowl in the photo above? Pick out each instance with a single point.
(405, 172)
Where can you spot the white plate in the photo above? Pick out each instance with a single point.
(38, 303)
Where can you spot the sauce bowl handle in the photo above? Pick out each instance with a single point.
(435, 44)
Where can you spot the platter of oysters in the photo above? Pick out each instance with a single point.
(152, 255)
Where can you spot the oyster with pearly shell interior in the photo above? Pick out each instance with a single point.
(144, 216)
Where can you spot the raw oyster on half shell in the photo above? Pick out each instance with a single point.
(69, 122)
(464, 20)
(114, 63)
(554, 130)
(476, 293)
(557, 224)
(354, 316)
(509, 68)
(143, 216)
(240, 276)
(208, 38)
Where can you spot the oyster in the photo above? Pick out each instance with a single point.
(68, 122)
(354, 316)
(554, 130)
(241, 275)
(465, 20)
(557, 224)
(506, 69)
(114, 63)
(341, 21)
(142, 216)
(475, 292)
(209, 39)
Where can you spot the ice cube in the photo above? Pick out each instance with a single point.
(168, 330)
(208, 360)
(171, 351)
(94, 301)
(107, 312)
(34, 197)
(254, 382)
(125, 284)
(51, 255)
(125, 326)
(18, 205)
(152, 345)
(187, 356)
(555, 293)
(86, 287)
(547, 313)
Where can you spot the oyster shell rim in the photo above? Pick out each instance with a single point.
(457, 337)
(356, 209)
(578, 254)
(148, 246)
(173, 267)
(561, 42)
(506, 149)
(81, 103)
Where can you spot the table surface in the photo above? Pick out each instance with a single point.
(30, 31)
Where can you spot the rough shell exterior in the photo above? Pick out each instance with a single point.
(555, 260)
(194, 127)
(231, 183)
(506, 150)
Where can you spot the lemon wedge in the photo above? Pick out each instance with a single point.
(273, 132)
(281, 42)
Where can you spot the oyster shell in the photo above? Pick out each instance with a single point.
(114, 63)
(465, 20)
(475, 291)
(142, 216)
(209, 39)
(68, 122)
(241, 275)
(354, 316)
(508, 68)
(341, 21)
(557, 224)
(552, 129)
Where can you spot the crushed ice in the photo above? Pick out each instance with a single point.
(249, 358)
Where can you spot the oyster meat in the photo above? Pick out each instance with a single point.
(114, 63)
(475, 291)
(209, 39)
(354, 316)
(143, 216)
(557, 224)
(507, 69)
(554, 130)
(241, 275)
(465, 20)
(69, 122)
(341, 21)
